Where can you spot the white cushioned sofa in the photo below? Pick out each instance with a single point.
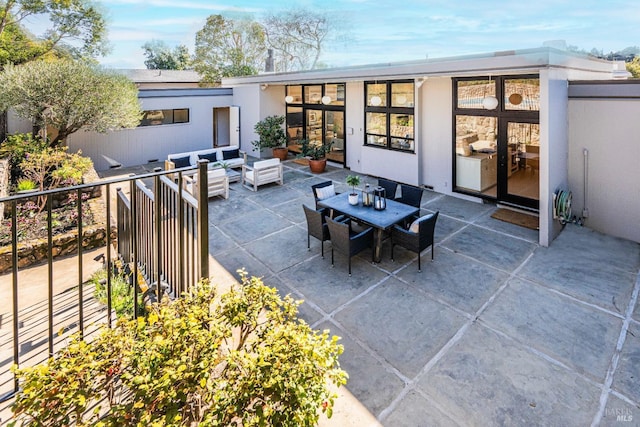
(232, 156)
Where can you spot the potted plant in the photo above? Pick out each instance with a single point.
(317, 155)
(353, 181)
(272, 136)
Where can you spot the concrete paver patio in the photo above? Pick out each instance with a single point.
(496, 331)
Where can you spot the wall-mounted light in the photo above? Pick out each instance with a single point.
(326, 100)
(288, 99)
(420, 81)
(264, 86)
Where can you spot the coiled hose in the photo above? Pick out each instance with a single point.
(562, 207)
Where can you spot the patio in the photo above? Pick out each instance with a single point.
(496, 331)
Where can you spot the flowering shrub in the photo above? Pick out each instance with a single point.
(240, 358)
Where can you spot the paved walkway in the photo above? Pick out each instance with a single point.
(496, 331)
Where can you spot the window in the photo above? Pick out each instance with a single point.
(389, 119)
(164, 117)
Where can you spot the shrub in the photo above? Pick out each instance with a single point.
(16, 147)
(121, 292)
(240, 358)
(26, 185)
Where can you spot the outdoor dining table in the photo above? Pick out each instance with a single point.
(380, 220)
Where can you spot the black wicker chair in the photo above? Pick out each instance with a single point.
(410, 195)
(315, 187)
(389, 186)
(415, 242)
(316, 227)
(346, 241)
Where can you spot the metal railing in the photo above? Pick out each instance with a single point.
(160, 233)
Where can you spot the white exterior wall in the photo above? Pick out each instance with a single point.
(141, 145)
(435, 130)
(609, 130)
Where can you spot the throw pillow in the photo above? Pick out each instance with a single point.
(230, 154)
(415, 225)
(181, 162)
(212, 157)
(325, 192)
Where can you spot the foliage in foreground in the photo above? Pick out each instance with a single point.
(240, 358)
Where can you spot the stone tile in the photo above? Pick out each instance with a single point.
(327, 287)
(626, 379)
(293, 210)
(445, 226)
(255, 225)
(371, 382)
(291, 244)
(636, 312)
(585, 243)
(507, 228)
(291, 175)
(402, 324)
(230, 210)
(457, 208)
(414, 410)
(271, 196)
(496, 249)
(599, 283)
(305, 311)
(487, 379)
(236, 259)
(577, 335)
(218, 242)
(448, 278)
(620, 413)
(429, 196)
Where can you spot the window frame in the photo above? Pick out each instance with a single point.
(389, 112)
(164, 112)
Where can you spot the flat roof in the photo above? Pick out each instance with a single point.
(504, 62)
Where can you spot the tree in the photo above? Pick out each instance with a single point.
(161, 57)
(298, 36)
(228, 48)
(241, 358)
(69, 96)
(634, 67)
(76, 27)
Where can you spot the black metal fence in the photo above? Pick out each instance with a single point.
(159, 232)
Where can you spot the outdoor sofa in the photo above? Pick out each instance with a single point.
(218, 157)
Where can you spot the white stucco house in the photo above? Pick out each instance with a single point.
(511, 127)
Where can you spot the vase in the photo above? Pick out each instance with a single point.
(280, 153)
(317, 166)
(353, 199)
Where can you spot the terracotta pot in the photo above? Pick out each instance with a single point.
(281, 153)
(317, 166)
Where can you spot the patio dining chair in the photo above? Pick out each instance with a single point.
(417, 238)
(410, 195)
(389, 186)
(324, 190)
(316, 226)
(345, 240)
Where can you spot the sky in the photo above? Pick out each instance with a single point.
(382, 31)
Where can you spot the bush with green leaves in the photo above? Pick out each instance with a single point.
(16, 147)
(271, 133)
(121, 291)
(239, 358)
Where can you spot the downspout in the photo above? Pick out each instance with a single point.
(585, 209)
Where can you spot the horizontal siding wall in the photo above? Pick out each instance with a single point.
(603, 120)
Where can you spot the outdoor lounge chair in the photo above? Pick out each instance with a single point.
(410, 195)
(217, 183)
(417, 238)
(348, 242)
(261, 173)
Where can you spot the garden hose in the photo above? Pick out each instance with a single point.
(562, 207)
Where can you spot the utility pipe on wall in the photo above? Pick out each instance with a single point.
(585, 210)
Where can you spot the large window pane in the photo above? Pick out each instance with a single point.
(402, 94)
(476, 159)
(164, 117)
(314, 126)
(335, 92)
(522, 94)
(334, 135)
(294, 128)
(472, 92)
(377, 123)
(313, 94)
(376, 94)
(294, 94)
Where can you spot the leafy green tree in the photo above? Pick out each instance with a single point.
(634, 67)
(69, 96)
(241, 358)
(161, 57)
(228, 48)
(298, 37)
(76, 27)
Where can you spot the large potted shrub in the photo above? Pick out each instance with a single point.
(271, 135)
(317, 155)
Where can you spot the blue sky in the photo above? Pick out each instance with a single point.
(390, 30)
